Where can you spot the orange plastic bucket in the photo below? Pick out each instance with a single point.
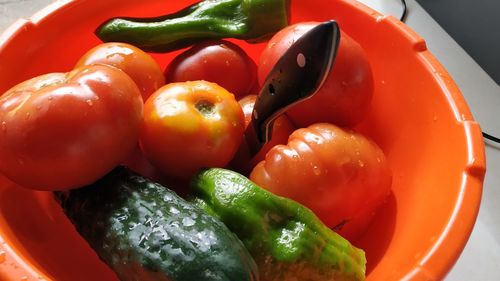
(419, 118)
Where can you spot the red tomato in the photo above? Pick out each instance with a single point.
(220, 62)
(189, 126)
(66, 130)
(244, 161)
(344, 98)
(138, 163)
(340, 175)
(247, 104)
(140, 66)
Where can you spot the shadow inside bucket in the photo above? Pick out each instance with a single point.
(41, 233)
(380, 233)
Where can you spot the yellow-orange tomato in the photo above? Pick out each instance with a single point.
(189, 126)
(136, 63)
(340, 175)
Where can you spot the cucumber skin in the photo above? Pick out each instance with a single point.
(143, 231)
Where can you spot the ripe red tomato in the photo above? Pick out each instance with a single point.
(65, 130)
(344, 98)
(247, 104)
(244, 161)
(189, 126)
(342, 176)
(220, 62)
(140, 66)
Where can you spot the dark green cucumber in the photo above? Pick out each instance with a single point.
(144, 231)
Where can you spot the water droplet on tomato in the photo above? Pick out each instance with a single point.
(2, 257)
(4, 126)
(316, 170)
(24, 278)
(89, 102)
(361, 163)
(27, 116)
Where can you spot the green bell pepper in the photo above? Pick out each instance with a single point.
(286, 240)
(209, 19)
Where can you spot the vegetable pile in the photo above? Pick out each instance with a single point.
(113, 137)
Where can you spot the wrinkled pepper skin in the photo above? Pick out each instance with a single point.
(144, 231)
(251, 20)
(286, 240)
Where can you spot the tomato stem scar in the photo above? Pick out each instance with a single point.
(205, 107)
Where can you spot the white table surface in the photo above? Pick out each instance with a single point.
(480, 260)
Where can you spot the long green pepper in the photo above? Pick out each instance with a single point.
(286, 240)
(209, 19)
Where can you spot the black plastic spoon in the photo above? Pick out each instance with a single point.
(297, 76)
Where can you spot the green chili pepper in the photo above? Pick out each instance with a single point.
(287, 241)
(209, 19)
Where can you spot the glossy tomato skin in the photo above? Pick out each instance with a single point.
(247, 103)
(345, 97)
(189, 126)
(220, 62)
(66, 130)
(244, 160)
(140, 66)
(339, 174)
